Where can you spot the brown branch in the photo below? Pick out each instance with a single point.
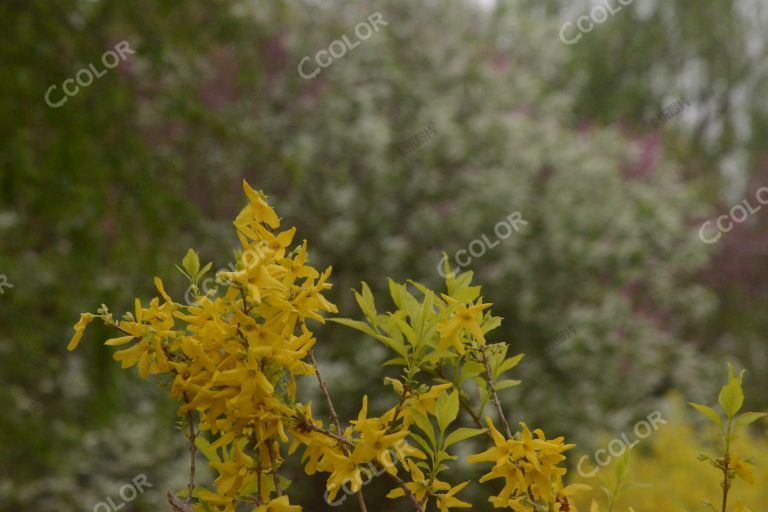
(334, 418)
(343, 441)
(258, 483)
(495, 396)
(326, 394)
(178, 505)
(246, 310)
(392, 424)
(407, 491)
(475, 418)
(192, 453)
(275, 474)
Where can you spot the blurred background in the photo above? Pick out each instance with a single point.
(446, 119)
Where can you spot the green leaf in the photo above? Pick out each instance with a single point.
(403, 299)
(395, 344)
(422, 442)
(490, 324)
(461, 434)
(355, 324)
(442, 455)
(471, 369)
(205, 269)
(709, 412)
(397, 361)
(424, 425)
(747, 418)
(731, 397)
(446, 409)
(427, 311)
(410, 334)
(366, 302)
(509, 363)
(191, 263)
(459, 287)
(506, 383)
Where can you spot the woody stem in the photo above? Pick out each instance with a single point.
(192, 455)
(407, 491)
(334, 418)
(494, 395)
(275, 475)
(726, 464)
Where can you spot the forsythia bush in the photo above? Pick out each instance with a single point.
(232, 360)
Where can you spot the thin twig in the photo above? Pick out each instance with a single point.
(192, 455)
(725, 466)
(495, 396)
(245, 304)
(177, 505)
(407, 491)
(275, 474)
(326, 394)
(467, 407)
(258, 483)
(334, 419)
(398, 409)
(305, 424)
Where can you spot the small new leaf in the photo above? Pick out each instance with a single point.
(191, 264)
(709, 412)
(731, 397)
(747, 418)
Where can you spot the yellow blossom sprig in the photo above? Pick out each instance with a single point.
(440, 342)
(232, 358)
(529, 463)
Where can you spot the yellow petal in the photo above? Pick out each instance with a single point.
(85, 319)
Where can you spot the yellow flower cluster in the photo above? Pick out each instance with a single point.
(233, 359)
(369, 446)
(533, 479)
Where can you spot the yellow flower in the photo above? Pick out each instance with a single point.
(424, 402)
(742, 468)
(280, 504)
(375, 440)
(85, 319)
(257, 212)
(235, 472)
(447, 500)
(463, 318)
(419, 486)
(528, 465)
(344, 470)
